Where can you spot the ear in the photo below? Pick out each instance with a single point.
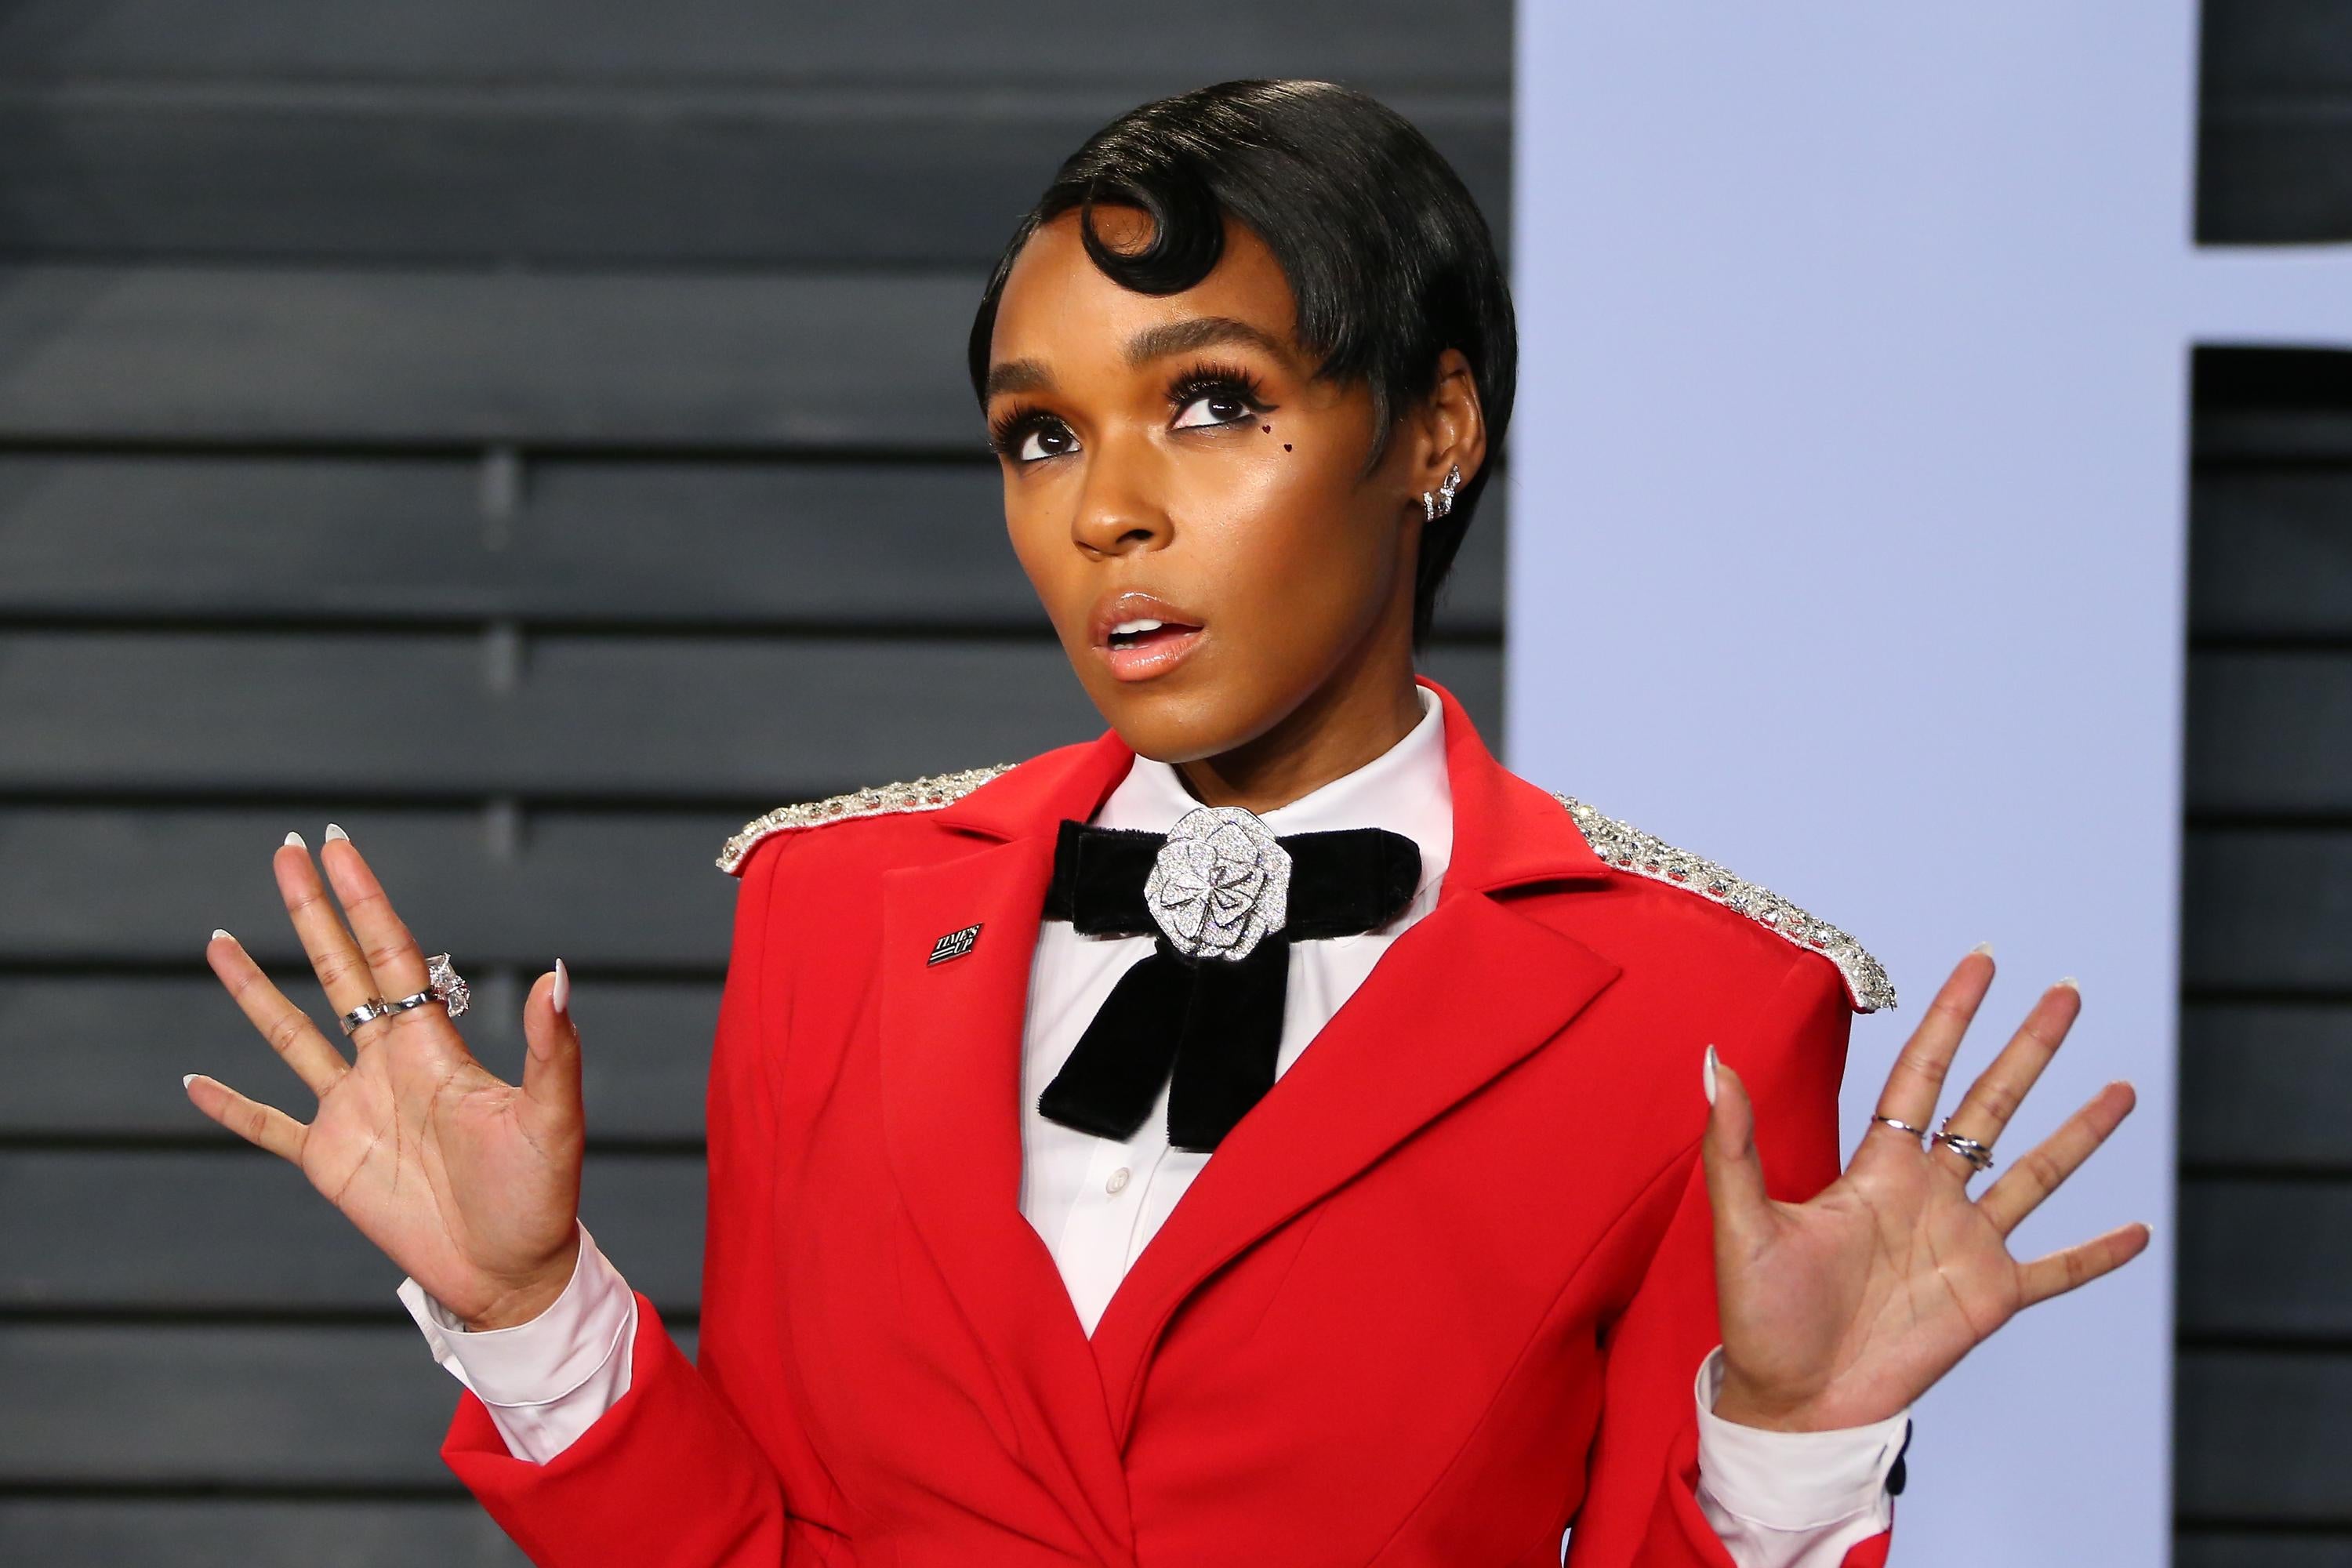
(1449, 427)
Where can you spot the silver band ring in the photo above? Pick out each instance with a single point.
(366, 1012)
(1978, 1155)
(442, 984)
(1918, 1132)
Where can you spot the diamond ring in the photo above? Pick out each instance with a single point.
(442, 984)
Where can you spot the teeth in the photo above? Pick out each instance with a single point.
(1129, 628)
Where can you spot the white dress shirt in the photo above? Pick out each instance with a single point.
(1778, 1500)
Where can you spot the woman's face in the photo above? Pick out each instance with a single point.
(1190, 505)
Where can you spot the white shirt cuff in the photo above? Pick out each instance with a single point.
(546, 1380)
(1791, 1500)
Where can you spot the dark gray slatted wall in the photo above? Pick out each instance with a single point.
(2264, 1401)
(533, 435)
(2264, 1436)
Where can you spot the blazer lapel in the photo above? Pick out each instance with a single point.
(950, 1068)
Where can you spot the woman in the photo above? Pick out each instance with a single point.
(1547, 1227)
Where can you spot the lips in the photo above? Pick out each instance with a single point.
(1142, 636)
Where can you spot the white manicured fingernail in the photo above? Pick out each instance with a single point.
(1711, 1075)
(218, 934)
(335, 832)
(561, 994)
(187, 1081)
(1983, 947)
(296, 840)
(2069, 981)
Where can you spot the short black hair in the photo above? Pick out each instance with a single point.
(1386, 253)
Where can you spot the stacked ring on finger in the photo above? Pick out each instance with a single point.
(367, 1012)
(1978, 1155)
(443, 985)
(1918, 1132)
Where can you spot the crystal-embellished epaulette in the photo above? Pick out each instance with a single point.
(1628, 849)
(927, 794)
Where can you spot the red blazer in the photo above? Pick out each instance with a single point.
(1441, 1293)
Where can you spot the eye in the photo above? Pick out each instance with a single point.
(1030, 434)
(1208, 396)
(1046, 441)
(1227, 406)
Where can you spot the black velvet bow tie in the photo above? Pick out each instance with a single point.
(1212, 1022)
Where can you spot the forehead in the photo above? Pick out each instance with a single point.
(1058, 306)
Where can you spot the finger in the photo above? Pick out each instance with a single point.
(383, 941)
(334, 957)
(1917, 1077)
(1734, 1173)
(2082, 1263)
(265, 1126)
(2040, 1170)
(1998, 1090)
(550, 1068)
(286, 1028)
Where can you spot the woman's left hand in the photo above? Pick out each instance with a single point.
(1843, 1310)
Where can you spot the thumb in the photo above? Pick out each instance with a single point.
(551, 1069)
(1734, 1173)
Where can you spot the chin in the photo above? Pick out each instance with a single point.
(1184, 725)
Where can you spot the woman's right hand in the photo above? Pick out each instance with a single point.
(468, 1182)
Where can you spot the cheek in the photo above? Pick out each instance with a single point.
(1045, 557)
(1311, 535)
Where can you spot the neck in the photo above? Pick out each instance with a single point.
(1328, 736)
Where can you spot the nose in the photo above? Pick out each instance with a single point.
(1120, 509)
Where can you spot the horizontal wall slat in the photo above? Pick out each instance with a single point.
(634, 889)
(709, 718)
(2265, 909)
(355, 1408)
(212, 354)
(2268, 731)
(2264, 1084)
(2264, 1259)
(2270, 552)
(447, 714)
(2268, 435)
(809, 176)
(243, 1230)
(927, 40)
(2245, 1549)
(2258, 1435)
(65, 1533)
(813, 544)
(104, 1054)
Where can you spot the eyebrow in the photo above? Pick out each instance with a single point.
(1151, 344)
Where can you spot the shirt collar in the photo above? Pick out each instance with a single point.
(1405, 789)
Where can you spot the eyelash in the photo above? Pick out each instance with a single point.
(1205, 378)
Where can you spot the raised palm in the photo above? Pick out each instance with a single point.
(1843, 1310)
(469, 1183)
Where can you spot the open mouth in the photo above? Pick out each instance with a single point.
(1142, 636)
(1146, 633)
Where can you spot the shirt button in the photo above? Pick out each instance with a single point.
(1118, 1180)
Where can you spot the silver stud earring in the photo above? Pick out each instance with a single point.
(1434, 507)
